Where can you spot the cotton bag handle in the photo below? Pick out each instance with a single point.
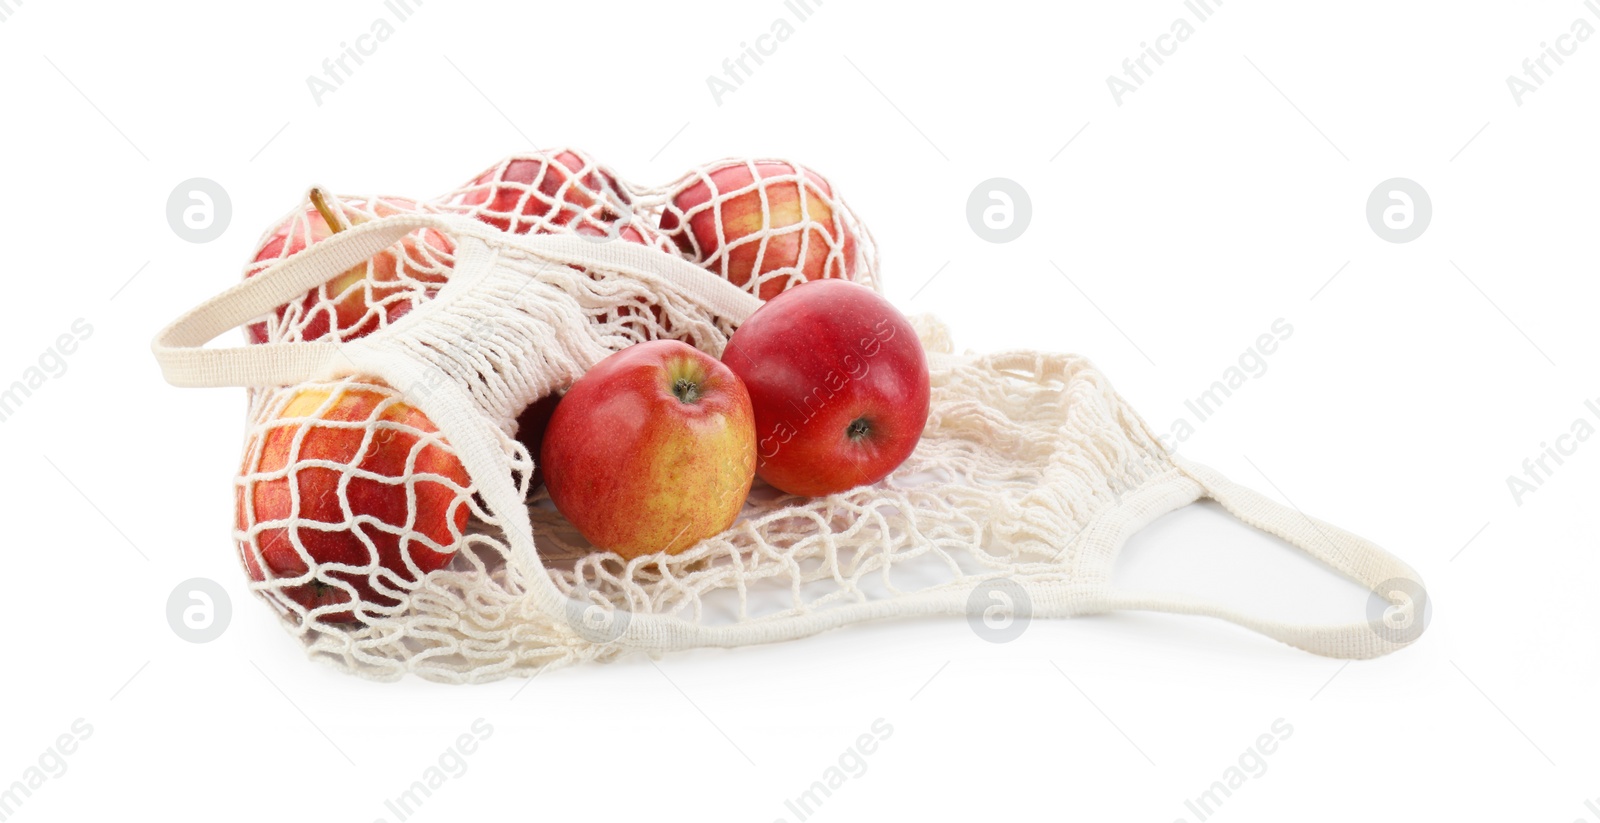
(1351, 555)
(180, 347)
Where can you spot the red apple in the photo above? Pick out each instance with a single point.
(766, 226)
(531, 426)
(562, 191)
(365, 297)
(355, 476)
(547, 192)
(652, 450)
(839, 384)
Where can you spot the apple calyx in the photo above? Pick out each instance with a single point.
(858, 429)
(686, 390)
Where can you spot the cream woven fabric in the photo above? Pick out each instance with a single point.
(1032, 469)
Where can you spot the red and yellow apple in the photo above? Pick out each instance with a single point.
(839, 384)
(354, 476)
(652, 450)
(766, 226)
(366, 296)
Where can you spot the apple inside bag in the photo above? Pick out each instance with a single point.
(386, 504)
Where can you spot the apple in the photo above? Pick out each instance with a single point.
(764, 225)
(839, 384)
(358, 477)
(547, 192)
(531, 426)
(365, 297)
(651, 450)
(561, 191)
(555, 191)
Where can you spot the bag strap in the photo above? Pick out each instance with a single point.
(185, 361)
(179, 347)
(723, 298)
(1353, 556)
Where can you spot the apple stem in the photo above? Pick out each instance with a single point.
(320, 200)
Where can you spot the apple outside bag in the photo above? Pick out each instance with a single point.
(1031, 475)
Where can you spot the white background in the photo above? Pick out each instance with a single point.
(1224, 194)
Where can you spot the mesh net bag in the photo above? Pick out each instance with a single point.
(384, 499)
